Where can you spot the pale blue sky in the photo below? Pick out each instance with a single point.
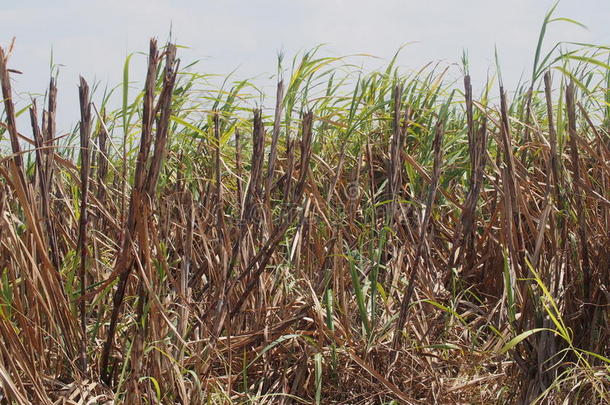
(93, 37)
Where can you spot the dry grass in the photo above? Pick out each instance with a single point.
(396, 241)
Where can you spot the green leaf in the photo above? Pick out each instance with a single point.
(521, 337)
(155, 384)
(317, 359)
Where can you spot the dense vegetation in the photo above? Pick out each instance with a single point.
(374, 238)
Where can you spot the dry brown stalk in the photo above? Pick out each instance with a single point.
(83, 249)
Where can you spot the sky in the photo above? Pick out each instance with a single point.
(93, 37)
